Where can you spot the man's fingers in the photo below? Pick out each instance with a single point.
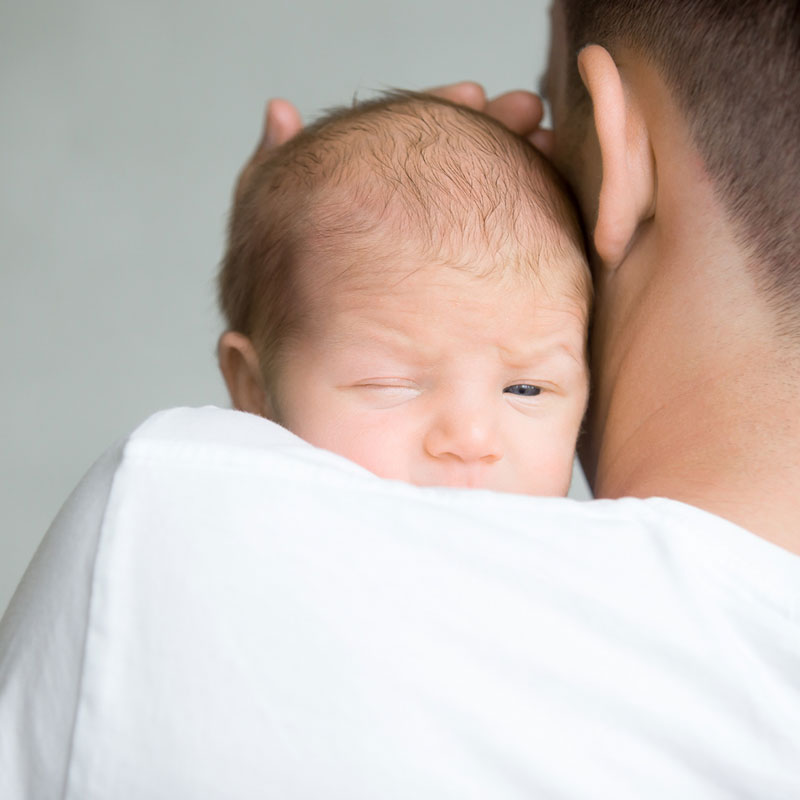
(466, 93)
(282, 121)
(542, 140)
(520, 111)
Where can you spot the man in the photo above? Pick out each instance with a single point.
(695, 241)
(267, 619)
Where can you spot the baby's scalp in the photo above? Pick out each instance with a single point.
(406, 172)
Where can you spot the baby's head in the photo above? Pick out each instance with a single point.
(405, 284)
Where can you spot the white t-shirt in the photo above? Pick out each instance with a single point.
(223, 611)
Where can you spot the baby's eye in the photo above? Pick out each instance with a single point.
(523, 390)
(386, 392)
(388, 385)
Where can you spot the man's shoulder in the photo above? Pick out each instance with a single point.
(220, 443)
(238, 609)
(237, 469)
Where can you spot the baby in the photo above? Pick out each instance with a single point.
(405, 285)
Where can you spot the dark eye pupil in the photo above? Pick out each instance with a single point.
(523, 389)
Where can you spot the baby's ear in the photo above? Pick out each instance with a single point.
(240, 366)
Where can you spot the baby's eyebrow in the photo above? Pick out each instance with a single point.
(384, 338)
(361, 332)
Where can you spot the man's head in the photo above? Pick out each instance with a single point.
(677, 125)
(733, 67)
(405, 285)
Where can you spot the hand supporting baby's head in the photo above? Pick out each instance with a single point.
(405, 285)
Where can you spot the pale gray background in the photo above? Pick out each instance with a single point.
(122, 127)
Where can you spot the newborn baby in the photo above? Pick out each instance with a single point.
(405, 284)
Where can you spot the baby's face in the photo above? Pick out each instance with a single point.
(440, 378)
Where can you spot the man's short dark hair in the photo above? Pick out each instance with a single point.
(734, 68)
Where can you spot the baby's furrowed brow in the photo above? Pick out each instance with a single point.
(539, 354)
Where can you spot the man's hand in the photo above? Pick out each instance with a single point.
(282, 121)
(520, 111)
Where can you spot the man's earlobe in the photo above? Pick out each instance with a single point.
(241, 369)
(627, 189)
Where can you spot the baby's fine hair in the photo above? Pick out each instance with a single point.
(443, 179)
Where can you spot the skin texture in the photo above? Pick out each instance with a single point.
(694, 390)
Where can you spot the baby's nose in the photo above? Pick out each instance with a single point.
(465, 433)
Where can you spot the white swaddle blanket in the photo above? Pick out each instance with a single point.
(223, 611)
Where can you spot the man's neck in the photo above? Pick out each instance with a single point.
(725, 445)
(699, 398)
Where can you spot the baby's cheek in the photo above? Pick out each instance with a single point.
(379, 441)
(376, 440)
(546, 461)
(553, 478)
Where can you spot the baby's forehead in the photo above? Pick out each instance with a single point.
(432, 311)
(401, 279)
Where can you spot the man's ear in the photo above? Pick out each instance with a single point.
(627, 189)
(239, 364)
